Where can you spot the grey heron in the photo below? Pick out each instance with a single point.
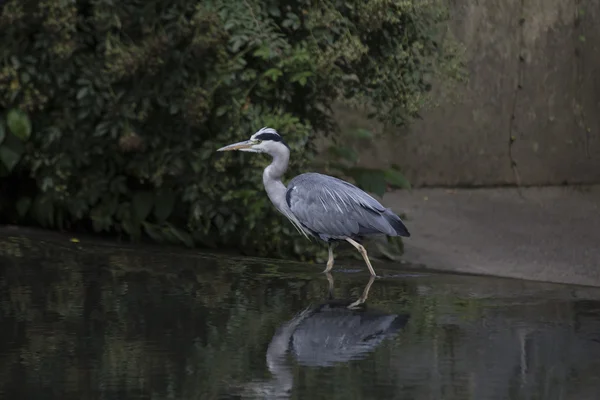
(318, 205)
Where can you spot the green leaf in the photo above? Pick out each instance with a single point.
(361, 133)
(163, 204)
(19, 124)
(222, 110)
(23, 205)
(153, 231)
(185, 237)
(132, 228)
(9, 157)
(170, 236)
(142, 204)
(395, 178)
(263, 52)
(370, 180)
(301, 77)
(82, 92)
(273, 73)
(343, 152)
(274, 10)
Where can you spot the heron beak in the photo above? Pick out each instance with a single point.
(246, 144)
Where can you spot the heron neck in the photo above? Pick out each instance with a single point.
(272, 179)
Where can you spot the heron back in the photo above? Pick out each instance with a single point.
(331, 208)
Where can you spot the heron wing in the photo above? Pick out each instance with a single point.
(333, 208)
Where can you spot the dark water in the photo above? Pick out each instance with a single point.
(85, 322)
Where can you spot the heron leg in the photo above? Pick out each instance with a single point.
(365, 294)
(363, 252)
(330, 260)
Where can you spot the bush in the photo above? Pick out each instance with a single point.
(128, 101)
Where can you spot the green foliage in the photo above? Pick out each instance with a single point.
(128, 101)
(343, 158)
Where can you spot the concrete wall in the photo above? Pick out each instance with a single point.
(534, 75)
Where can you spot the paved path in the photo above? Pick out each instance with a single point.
(549, 234)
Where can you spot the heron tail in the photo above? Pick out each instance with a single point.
(396, 223)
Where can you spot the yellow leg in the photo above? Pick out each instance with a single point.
(363, 252)
(365, 294)
(330, 261)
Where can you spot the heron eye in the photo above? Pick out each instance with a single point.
(257, 141)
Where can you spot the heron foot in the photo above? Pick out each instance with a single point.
(361, 300)
(355, 305)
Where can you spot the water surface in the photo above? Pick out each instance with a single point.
(81, 321)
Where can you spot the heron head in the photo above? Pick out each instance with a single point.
(266, 140)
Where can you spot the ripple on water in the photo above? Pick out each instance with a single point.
(98, 322)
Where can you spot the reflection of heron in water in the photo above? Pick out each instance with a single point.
(325, 335)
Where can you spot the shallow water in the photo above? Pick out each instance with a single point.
(84, 321)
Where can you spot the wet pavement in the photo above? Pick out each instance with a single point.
(538, 233)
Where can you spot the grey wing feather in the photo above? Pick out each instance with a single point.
(332, 208)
